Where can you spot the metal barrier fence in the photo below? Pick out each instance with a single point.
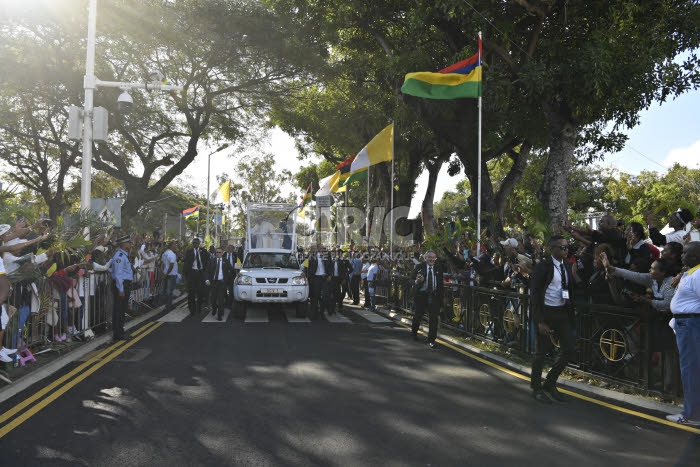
(630, 346)
(51, 315)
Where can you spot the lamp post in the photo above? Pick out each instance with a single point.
(90, 83)
(220, 148)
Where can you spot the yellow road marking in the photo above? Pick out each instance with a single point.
(117, 349)
(608, 405)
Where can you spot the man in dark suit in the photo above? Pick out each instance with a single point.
(427, 283)
(196, 260)
(340, 268)
(318, 274)
(219, 274)
(230, 257)
(552, 312)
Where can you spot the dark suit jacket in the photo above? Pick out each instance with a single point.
(344, 268)
(225, 257)
(229, 272)
(541, 278)
(422, 269)
(189, 260)
(313, 266)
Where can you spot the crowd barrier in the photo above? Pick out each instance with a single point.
(50, 315)
(629, 346)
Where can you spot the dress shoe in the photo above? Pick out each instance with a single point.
(541, 397)
(432, 345)
(553, 393)
(219, 317)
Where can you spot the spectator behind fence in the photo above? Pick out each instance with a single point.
(685, 307)
(677, 221)
(4, 317)
(638, 251)
(170, 269)
(551, 292)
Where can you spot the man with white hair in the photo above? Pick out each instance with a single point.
(428, 283)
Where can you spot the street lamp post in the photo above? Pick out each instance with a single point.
(90, 83)
(220, 148)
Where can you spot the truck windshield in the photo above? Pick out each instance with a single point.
(271, 260)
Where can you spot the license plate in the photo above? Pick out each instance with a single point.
(271, 290)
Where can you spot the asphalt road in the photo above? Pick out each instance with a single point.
(319, 393)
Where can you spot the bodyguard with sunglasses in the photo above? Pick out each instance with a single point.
(552, 311)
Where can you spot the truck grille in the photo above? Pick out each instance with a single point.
(271, 280)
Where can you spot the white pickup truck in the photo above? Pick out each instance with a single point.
(270, 271)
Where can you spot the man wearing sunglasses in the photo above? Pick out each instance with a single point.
(551, 295)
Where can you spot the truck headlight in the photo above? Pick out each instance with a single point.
(299, 280)
(244, 280)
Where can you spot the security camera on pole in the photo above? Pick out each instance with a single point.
(95, 119)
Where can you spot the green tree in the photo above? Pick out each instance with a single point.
(230, 57)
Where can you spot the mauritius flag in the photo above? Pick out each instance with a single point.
(463, 79)
(307, 198)
(191, 212)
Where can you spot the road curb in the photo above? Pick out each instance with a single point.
(575, 386)
(49, 369)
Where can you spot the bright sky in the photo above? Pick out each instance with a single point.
(668, 133)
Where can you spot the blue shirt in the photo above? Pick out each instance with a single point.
(356, 265)
(121, 269)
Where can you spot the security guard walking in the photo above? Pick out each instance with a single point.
(123, 275)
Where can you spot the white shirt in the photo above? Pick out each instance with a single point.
(320, 269)
(2, 267)
(365, 268)
(552, 296)
(676, 236)
(372, 272)
(429, 271)
(687, 296)
(168, 259)
(197, 259)
(219, 270)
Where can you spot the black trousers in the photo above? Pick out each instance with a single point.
(195, 291)
(561, 321)
(337, 292)
(318, 290)
(218, 297)
(355, 289)
(430, 303)
(121, 304)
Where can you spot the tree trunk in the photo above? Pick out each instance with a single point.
(489, 218)
(552, 193)
(427, 211)
(520, 160)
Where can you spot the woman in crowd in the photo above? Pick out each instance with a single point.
(659, 281)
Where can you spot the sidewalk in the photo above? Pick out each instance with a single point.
(594, 392)
(35, 372)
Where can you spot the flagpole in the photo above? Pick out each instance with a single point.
(391, 215)
(478, 195)
(367, 206)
